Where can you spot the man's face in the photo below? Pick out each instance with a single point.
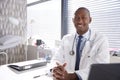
(81, 21)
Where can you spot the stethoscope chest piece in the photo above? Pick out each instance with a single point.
(72, 52)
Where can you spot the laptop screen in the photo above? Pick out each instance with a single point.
(105, 72)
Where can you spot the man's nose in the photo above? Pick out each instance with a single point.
(79, 20)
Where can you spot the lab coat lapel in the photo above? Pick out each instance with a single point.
(88, 45)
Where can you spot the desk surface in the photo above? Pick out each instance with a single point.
(7, 73)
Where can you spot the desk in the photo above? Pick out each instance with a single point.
(7, 73)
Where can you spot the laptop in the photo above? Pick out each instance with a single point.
(28, 65)
(105, 72)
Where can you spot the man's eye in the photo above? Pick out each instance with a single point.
(77, 18)
(84, 17)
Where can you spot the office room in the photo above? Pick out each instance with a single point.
(38, 39)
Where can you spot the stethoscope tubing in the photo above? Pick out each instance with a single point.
(72, 51)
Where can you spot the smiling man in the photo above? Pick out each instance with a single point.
(79, 50)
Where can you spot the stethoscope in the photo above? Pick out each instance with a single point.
(72, 51)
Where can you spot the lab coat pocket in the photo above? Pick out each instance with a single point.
(85, 60)
(86, 50)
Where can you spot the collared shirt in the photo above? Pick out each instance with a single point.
(85, 37)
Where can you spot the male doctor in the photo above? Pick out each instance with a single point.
(74, 64)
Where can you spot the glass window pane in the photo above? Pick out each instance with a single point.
(44, 21)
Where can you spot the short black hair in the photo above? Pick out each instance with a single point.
(82, 8)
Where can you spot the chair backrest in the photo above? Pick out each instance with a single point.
(105, 72)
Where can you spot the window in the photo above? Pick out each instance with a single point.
(44, 21)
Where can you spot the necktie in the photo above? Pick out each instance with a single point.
(78, 53)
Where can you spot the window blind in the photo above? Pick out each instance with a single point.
(105, 17)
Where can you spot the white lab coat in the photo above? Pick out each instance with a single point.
(94, 51)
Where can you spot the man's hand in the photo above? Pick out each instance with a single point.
(59, 72)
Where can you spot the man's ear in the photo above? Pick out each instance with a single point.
(90, 20)
(73, 20)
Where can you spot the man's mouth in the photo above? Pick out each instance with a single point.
(79, 25)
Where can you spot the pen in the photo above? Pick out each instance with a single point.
(42, 74)
(36, 76)
(39, 75)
